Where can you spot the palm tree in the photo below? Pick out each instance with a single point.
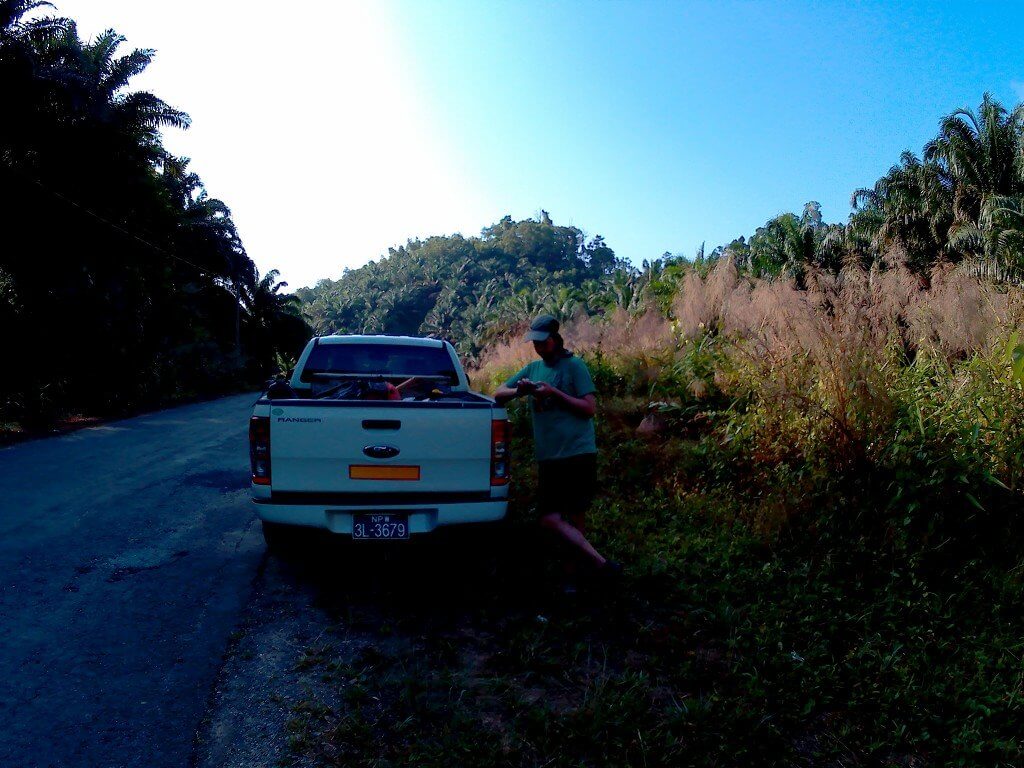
(998, 237)
(26, 93)
(264, 301)
(837, 245)
(18, 31)
(207, 233)
(94, 78)
(909, 211)
(136, 254)
(785, 245)
(564, 301)
(981, 153)
(623, 289)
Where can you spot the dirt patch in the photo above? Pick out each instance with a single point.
(12, 433)
(17, 433)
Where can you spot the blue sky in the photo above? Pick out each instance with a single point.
(657, 125)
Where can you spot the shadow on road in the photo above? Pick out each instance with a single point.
(448, 574)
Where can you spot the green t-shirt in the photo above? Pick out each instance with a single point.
(558, 433)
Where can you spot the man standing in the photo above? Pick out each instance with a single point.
(562, 402)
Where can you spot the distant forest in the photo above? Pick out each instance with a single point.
(123, 284)
(961, 202)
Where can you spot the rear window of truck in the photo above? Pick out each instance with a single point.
(392, 360)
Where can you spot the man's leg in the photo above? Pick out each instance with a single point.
(570, 533)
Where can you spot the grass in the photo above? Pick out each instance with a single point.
(727, 644)
(822, 543)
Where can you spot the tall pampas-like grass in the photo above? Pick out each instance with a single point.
(825, 363)
(616, 337)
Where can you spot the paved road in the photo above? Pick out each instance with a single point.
(127, 553)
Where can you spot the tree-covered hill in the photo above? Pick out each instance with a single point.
(122, 282)
(468, 289)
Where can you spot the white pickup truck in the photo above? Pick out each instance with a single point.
(377, 437)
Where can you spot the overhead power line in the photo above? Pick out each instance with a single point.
(114, 225)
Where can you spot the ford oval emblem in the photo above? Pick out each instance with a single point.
(380, 451)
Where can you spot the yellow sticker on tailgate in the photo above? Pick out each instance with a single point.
(377, 472)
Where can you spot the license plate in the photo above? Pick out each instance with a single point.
(380, 527)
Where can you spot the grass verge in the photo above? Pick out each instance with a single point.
(743, 634)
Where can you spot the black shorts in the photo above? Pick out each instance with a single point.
(566, 486)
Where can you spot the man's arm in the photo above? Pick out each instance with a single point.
(503, 394)
(406, 384)
(521, 387)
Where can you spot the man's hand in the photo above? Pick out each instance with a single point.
(504, 394)
(543, 391)
(584, 406)
(525, 387)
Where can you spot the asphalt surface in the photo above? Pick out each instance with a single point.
(128, 553)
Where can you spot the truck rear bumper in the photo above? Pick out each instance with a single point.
(423, 518)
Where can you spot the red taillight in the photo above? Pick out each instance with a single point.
(259, 449)
(500, 459)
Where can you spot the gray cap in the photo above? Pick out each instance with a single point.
(542, 328)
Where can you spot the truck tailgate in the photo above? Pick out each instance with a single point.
(360, 447)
